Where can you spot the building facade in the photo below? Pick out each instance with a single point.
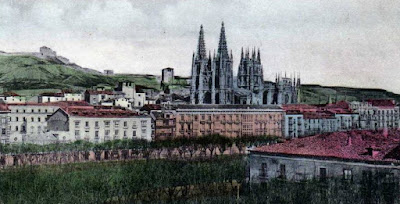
(228, 120)
(98, 125)
(353, 155)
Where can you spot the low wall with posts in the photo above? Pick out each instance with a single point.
(18, 160)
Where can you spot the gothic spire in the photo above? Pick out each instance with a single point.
(201, 47)
(222, 46)
(241, 56)
(258, 55)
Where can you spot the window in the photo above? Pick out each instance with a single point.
(116, 123)
(77, 124)
(38, 119)
(87, 124)
(16, 128)
(77, 133)
(32, 119)
(32, 110)
(107, 123)
(16, 119)
(39, 110)
(96, 134)
(106, 132)
(143, 131)
(322, 173)
(3, 131)
(125, 124)
(134, 133)
(124, 133)
(116, 132)
(347, 174)
(143, 123)
(263, 170)
(282, 171)
(96, 124)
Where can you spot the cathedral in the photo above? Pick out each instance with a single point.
(213, 82)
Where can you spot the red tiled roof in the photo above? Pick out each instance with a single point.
(97, 112)
(58, 103)
(9, 93)
(382, 102)
(352, 145)
(318, 115)
(52, 94)
(95, 92)
(339, 105)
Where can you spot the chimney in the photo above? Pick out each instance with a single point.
(385, 132)
(349, 141)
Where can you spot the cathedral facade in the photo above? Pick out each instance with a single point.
(213, 82)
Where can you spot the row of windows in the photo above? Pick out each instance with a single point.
(108, 132)
(32, 119)
(323, 173)
(107, 123)
(32, 111)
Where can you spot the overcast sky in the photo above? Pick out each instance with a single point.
(333, 42)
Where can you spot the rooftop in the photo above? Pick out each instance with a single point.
(353, 145)
(212, 106)
(99, 112)
(97, 92)
(382, 102)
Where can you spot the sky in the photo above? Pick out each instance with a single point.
(329, 42)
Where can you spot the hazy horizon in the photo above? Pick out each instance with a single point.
(333, 43)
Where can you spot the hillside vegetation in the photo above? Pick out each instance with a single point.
(28, 75)
(315, 94)
(28, 72)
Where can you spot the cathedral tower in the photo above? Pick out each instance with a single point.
(250, 75)
(223, 76)
(201, 84)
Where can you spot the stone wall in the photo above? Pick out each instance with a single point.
(264, 167)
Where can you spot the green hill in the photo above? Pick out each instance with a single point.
(29, 75)
(314, 94)
(28, 72)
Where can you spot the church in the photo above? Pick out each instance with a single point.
(213, 81)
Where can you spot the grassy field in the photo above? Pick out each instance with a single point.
(168, 181)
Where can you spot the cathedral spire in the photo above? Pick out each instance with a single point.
(241, 56)
(258, 55)
(201, 47)
(222, 46)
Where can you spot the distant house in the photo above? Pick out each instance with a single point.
(351, 155)
(95, 97)
(11, 97)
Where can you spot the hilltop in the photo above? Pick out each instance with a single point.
(21, 72)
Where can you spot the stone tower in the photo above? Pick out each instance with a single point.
(250, 75)
(212, 77)
(201, 83)
(223, 72)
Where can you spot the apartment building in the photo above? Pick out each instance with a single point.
(377, 114)
(228, 120)
(97, 124)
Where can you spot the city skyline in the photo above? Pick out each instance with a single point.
(338, 43)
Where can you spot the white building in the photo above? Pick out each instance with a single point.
(98, 125)
(28, 122)
(377, 114)
(11, 97)
(95, 97)
(61, 96)
(294, 125)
